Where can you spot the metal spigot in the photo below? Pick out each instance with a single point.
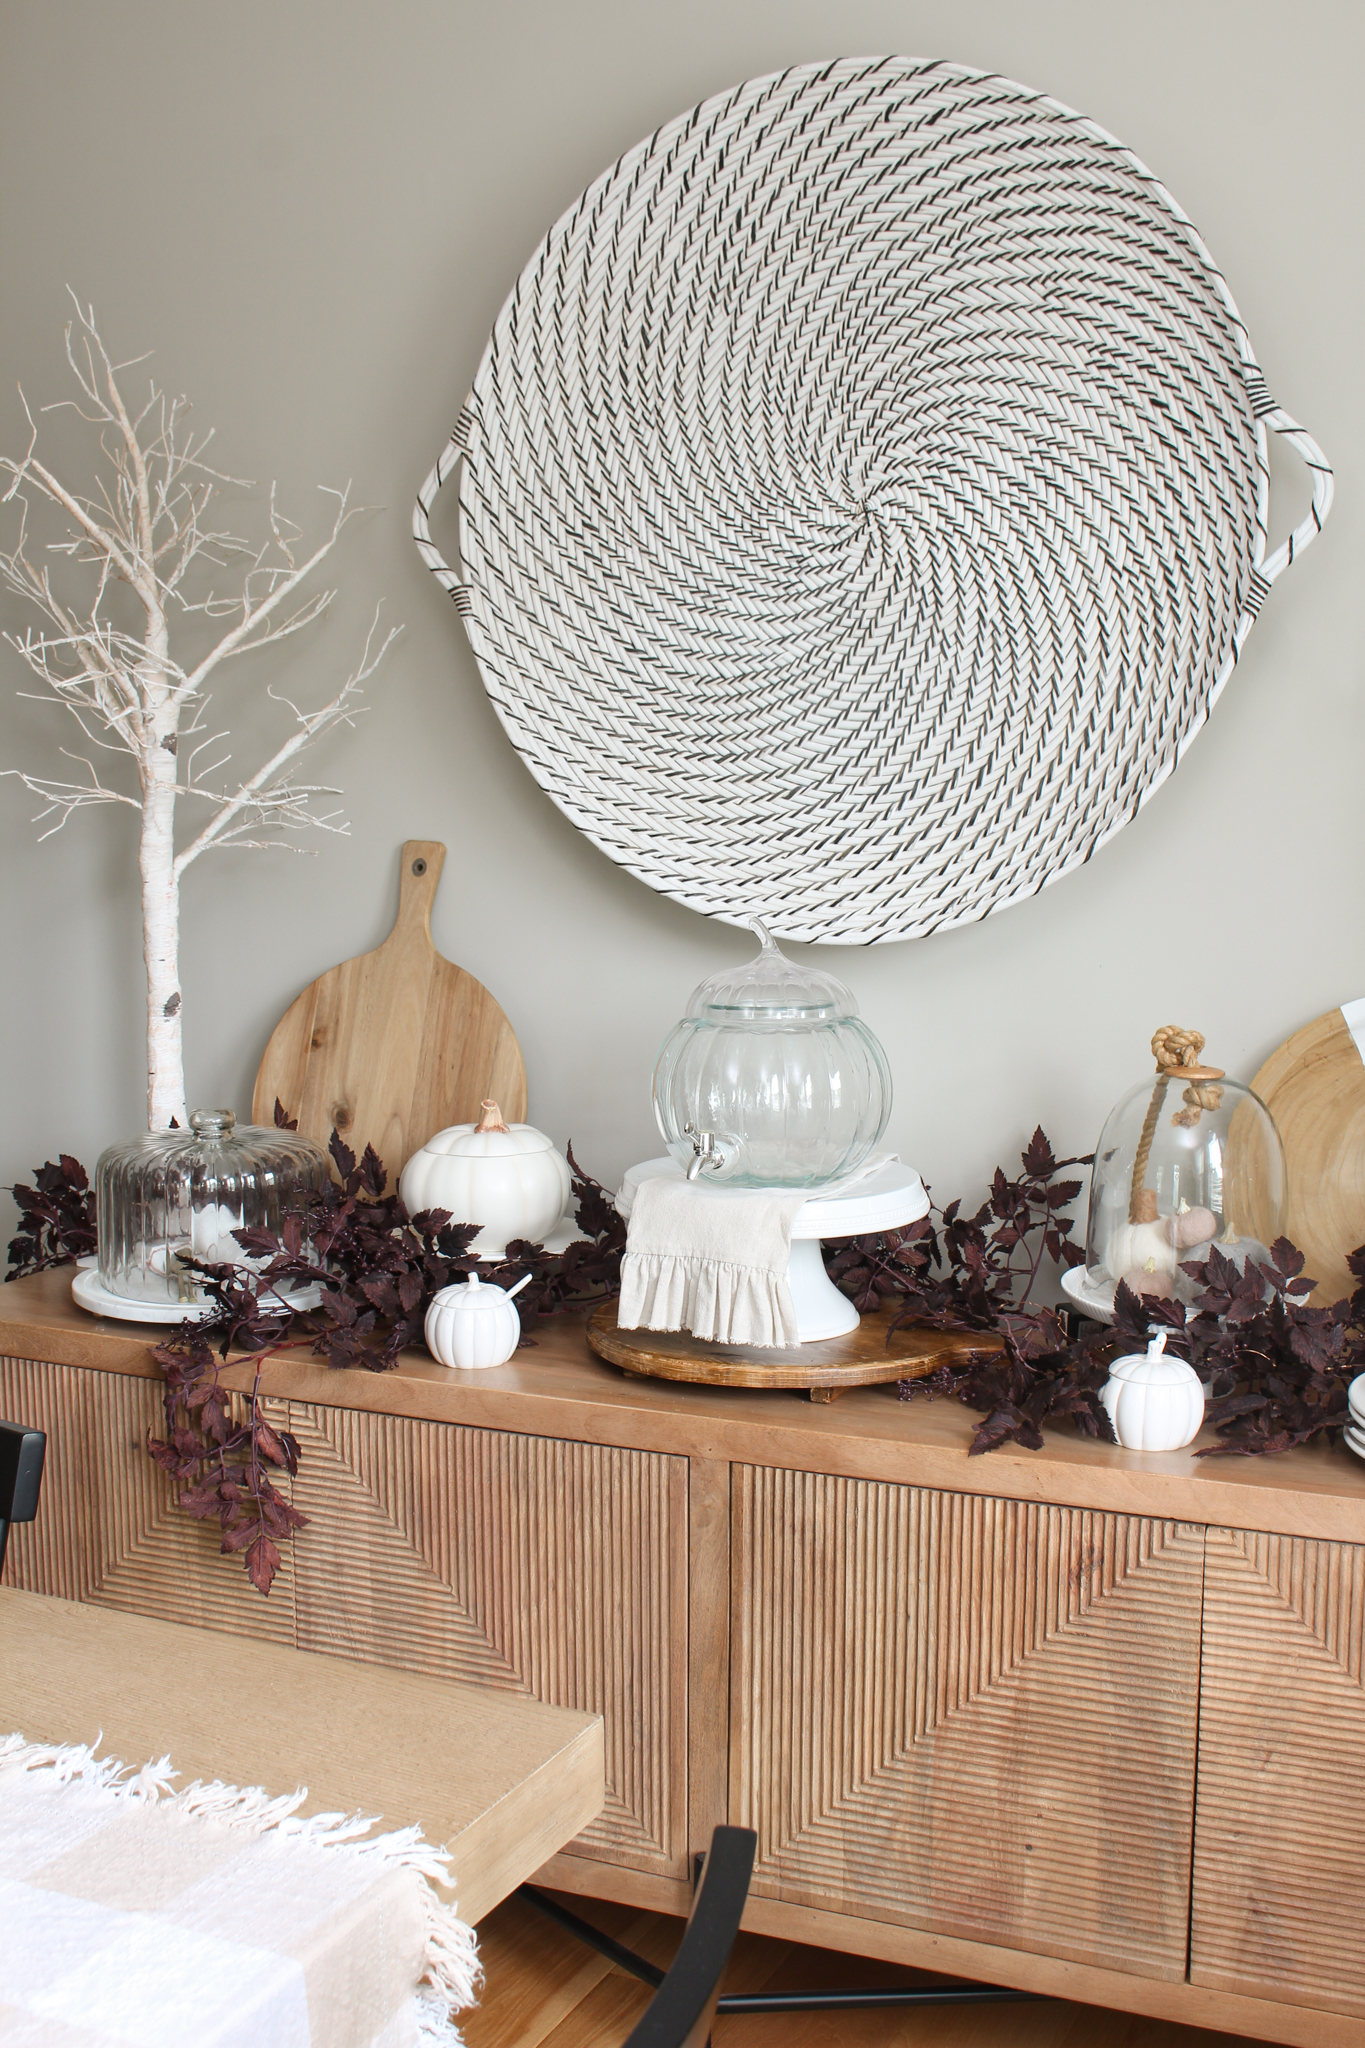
(704, 1151)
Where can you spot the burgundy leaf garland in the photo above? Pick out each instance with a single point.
(978, 1273)
(378, 1269)
(224, 1452)
(1278, 1370)
(58, 1214)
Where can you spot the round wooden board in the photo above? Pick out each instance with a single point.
(396, 1044)
(1314, 1087)
(863, 1358)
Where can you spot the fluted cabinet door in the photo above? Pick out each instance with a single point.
(975, 1717)
(108, 1529)
(555, 1569)
(1279, 1897)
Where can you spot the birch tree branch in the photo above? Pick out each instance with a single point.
(99, 536)
(67, 797)
(236, 639)
(310, 726)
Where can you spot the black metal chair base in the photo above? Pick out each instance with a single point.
(847, 2000)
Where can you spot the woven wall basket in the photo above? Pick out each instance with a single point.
(863, 499)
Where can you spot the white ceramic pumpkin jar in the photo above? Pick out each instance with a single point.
(506, 1177)
(473, 1324)
(1155, 1402)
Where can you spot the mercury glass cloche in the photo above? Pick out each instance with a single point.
(1187, 1159)
(169, 1195)
(771, 1079)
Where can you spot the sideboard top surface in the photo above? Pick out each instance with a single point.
(557, 1388)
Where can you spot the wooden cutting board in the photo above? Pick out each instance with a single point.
(395, 1044)
(1314, 1087)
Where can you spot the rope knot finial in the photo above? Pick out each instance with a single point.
(1172, 1047)
(1176, 1053)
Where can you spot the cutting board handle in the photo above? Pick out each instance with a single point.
(423, 860)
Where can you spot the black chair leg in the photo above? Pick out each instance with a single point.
(592, 1937)
(849, 1999)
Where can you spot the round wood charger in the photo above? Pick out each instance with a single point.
(868, 1356)
(1314, 1087)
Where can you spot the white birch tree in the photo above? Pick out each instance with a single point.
(134, 557)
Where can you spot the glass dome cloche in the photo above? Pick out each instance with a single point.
(169, 1195)
(1187, 1159)
(771, 1079)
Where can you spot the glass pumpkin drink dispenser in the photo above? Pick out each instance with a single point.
(771, 1079)
(1186, 1160)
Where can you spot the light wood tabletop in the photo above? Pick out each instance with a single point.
(500, 1780)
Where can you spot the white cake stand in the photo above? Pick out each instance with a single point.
(886, 1200)
(89, 1292)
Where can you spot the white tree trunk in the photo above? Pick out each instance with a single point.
(145, 527)
(161, 896)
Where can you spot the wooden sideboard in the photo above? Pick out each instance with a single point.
(1083, 1721)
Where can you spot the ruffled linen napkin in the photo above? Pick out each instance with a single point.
(712, 1261)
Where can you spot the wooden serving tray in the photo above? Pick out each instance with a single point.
(866, 1357)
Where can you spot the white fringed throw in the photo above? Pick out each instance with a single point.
(133, 1914)
(710, 1261)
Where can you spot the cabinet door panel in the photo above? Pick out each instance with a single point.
(108, 1529)
(971, 1716)
(1280, 1824)
(556, 1569)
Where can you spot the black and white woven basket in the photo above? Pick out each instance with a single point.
(863, 499)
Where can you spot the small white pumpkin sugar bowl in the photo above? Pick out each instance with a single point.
(473, 1325)
(1155, 1401)
(506, 1177)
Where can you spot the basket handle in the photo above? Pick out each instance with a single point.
(461, 437)
(1277, 420)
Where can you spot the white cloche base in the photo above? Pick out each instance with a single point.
(886, 1200)
(1096, 1301)
(89, 1292)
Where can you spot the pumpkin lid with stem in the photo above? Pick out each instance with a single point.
(482, 1297)
(1154, 1367)
(491, 1135)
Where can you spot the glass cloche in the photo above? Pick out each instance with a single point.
(771, 1079)
(1187, 1159)
(172, 1193)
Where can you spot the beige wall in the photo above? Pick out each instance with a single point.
(312, 213)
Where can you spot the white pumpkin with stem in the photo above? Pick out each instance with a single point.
(1155, 1402)
(474, 1325)
(508, 1178)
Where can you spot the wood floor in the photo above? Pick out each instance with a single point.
(542, 1989)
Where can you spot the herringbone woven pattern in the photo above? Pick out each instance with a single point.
(863, 499)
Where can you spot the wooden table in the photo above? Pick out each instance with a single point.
(1080, 1720)
(500, 1782)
